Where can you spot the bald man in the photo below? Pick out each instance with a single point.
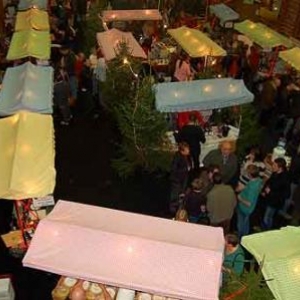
(225, 158)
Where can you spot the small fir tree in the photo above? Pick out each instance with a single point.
(130, 99)
(250, 130)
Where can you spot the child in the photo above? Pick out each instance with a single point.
(195, 202)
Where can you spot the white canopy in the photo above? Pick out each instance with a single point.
(128, 15)
(109, 41)
(27, 94)
(200, 94)
(143, 253)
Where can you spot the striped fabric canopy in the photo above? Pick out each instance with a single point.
(153, 255)
(279, 253)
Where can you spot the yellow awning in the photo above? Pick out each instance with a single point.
(278, 252)
(29, 43)
(27, 156)
(262, 35)
(32, 19)
(196, 43)
(292, 57)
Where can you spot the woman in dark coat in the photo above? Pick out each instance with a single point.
(181, 166)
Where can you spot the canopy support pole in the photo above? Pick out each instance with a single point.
(1, 17)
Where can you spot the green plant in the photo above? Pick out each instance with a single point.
(250, 286)
(250, 130)
(92, 25)
(130, 99)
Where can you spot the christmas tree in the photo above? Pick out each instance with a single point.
(129, 97)
(250, 286)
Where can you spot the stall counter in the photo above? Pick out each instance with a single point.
(213, 141)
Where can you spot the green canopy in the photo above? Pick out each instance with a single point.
(32, 19)
(279, 253)
(29, 43)
(292, 57)
(262, 35)
(195, 42)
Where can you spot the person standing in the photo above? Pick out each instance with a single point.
(268, 101)
(195, 201)
(180, 169)
(61, 94)
(183, 69)
(275, 191)
(234, 256)
(225, 159)
(247, 199)
(193, 135)
(221, 202)
(68, 61)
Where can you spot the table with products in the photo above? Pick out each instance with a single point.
(213, 140)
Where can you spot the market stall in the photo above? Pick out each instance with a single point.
(225, 14)
(277, 252)
(131, 15)
(292, 57)
(262, 35)
(29, 43)
(27, 160)
(195, 43)
(27, 94)
(109, 41)
(26, 4)
(204, 96)
(132, 251)
(32, 19)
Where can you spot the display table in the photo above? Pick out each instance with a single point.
(213, 141)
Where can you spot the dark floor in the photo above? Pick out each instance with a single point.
(83, 162)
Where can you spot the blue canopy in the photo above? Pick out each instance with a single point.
(26, 4)
(200, 94)
(27, 87)
(224, 13)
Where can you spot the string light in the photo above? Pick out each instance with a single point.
(126, 62)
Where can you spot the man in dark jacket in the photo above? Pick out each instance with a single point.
(193, 135)
(276, 190)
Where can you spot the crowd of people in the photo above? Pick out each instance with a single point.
(76, 75)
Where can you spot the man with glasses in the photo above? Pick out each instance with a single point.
(225, 158)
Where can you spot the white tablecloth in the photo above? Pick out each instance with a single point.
(212, 141)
